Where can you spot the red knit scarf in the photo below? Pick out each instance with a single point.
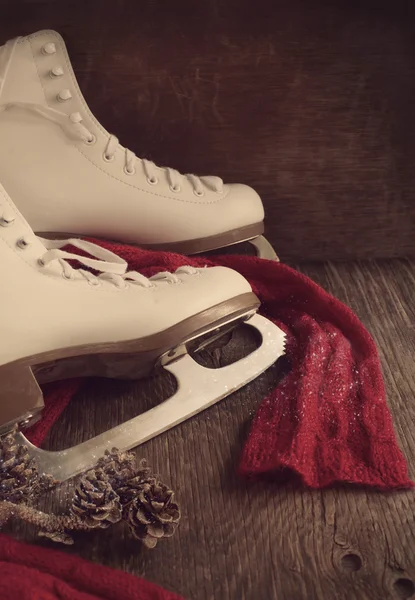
(328, 420)
(34, 573)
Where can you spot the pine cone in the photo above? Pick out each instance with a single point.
(120, 467)
(19, 476)
(95, 501)
(130, 487)
(151, 514)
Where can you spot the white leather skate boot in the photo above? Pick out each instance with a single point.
(69, 176)
(59, 322)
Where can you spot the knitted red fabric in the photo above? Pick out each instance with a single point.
(57, 396)
(35, 573)
(328, 420)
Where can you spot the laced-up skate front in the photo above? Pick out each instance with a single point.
(110, 266)
(73, 124)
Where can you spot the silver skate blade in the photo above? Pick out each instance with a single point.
(197, 389)
(263, 248)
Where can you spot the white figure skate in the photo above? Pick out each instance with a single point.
(79, 181)
(58, 322)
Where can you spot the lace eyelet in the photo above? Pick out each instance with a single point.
(6, 222)
(107, 158)
(90, 141)
(175, 188)
(64, 95)
(56, 72)
(40, 262)
(152, 180)
(22, 243)
(49, 49)
(128, 172)
(198, 194)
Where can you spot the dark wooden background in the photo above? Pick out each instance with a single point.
(312, 103)
(309, 101)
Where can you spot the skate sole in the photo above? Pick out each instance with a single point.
(21, 398)
(213, 242)
(250, 233)
(187, 247)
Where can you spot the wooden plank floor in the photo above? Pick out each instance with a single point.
(309, 102)
(242, 541)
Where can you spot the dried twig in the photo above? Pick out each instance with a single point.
(43, 521)
(116, 489)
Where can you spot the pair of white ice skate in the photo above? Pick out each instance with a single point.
(63, 176)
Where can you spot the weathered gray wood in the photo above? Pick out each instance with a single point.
(247, 541)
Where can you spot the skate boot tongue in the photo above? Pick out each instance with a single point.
(71, 123)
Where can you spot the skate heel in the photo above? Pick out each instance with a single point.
(21, 399)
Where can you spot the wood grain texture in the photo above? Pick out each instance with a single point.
(268, 540)
(309, 102)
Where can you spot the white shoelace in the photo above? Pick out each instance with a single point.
(110, 266)
(72, 123)
(106, 262)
